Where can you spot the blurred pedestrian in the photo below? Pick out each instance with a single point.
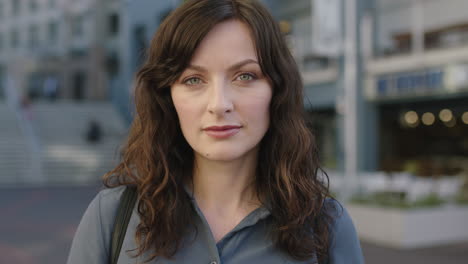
(26, 107)
(93, 133)
(50, 88)
(11, 93)
(225, 168)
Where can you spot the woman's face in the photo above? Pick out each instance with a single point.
(222, 98)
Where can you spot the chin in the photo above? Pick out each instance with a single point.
(223, 154)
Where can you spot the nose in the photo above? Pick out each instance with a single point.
(220, 99)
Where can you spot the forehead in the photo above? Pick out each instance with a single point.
(227, 41)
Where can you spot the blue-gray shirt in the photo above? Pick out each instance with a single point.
(248, 242)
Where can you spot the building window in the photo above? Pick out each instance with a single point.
(114, 24)
(53, 32)
(300, 42)
(33, 5)
(79, 85)
(14, 39)
(112, 64)
(163, 15)
(15, 6)
(1, 10)
(77, 26)
(139, 36)
(2, 77)
(1, 42)
(33, 37)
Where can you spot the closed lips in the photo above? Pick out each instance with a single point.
(221, 128)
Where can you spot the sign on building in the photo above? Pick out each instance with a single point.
(444, 79)
(327, 27)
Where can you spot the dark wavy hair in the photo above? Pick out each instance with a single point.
(158, 160)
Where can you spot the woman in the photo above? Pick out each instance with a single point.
(224, 165)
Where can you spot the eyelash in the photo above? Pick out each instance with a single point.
(252, 75)
(188, 79)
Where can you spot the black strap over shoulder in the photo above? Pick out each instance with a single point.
(124, 212)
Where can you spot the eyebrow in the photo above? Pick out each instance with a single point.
(231, 68)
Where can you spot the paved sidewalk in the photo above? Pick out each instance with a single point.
(38, 225)
(452, 254)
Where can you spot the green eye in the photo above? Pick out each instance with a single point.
(245, 77)
(193, 81)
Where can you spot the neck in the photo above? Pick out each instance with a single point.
(225, 186)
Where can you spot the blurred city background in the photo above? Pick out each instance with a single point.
(386, 89)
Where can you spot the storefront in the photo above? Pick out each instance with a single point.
(423, 121)
(323, 124)
(2, 82)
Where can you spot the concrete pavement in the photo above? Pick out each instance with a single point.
(450, 254)
(38, 224)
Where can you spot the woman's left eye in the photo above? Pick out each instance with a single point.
(245, 77)
(193, 81)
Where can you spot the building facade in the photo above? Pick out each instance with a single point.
(417, 77)
(57, 47)
(321, 76)
(324, 80)
(412, 80)
(139, 21)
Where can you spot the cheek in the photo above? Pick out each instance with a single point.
(185, 112)
(186, 117)
(259, 108)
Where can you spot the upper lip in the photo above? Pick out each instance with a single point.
(220, 128)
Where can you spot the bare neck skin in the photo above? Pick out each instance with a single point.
(224, 191)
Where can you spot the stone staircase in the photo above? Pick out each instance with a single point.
(15, 156)
(51, 148)
(66, 155)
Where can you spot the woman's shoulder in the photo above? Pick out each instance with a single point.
(335, 208)
(110, 197)
(104, 206)
(102, 210)
(91, 242)
(341, 219)
(344, 242)
(107, 203)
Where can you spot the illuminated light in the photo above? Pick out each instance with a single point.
(285, 27)
(465, 118)
(445, 115)
(428, 118)
(411, 118)
(451, 123)
(414, 125)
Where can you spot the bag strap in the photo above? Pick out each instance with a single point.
(124, 212)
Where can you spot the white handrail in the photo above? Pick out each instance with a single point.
(23, 116)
